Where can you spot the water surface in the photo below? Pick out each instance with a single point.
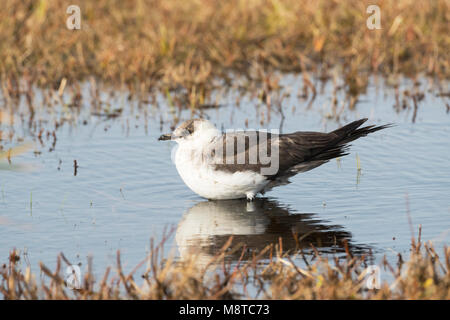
(126, 189)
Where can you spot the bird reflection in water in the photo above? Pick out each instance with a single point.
(206, 227)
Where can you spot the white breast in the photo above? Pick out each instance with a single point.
(202, 178)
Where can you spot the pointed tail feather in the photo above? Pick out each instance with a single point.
(338, 145)
(352, 131)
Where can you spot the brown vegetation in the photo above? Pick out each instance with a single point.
(148, 44)
(424, 276)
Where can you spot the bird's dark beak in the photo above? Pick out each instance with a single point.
(164, 137)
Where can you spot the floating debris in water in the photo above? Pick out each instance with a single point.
(75, 167)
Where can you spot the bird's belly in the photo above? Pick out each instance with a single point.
(220, 185)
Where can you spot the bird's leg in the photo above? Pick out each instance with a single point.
(250, 196)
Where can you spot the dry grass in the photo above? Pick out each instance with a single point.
(191, 45)
(424, 276)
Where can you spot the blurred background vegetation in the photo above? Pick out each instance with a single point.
(171, 44)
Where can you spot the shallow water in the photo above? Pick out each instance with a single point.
(126, 189)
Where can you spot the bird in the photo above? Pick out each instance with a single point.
(242, 164)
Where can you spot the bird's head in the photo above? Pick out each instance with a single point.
(192, 130)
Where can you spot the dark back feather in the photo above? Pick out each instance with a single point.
(298, 151)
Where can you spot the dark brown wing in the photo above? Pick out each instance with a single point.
(298, 151)
(303, 151)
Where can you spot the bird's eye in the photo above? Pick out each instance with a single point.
(190, 129)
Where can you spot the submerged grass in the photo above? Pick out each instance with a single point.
(426, 275)
(147, 44)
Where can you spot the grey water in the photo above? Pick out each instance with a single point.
(126, 189)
